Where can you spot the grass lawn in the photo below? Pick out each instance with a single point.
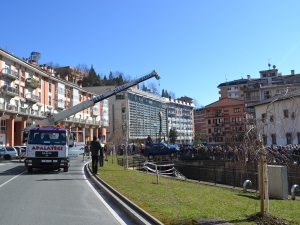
(177, 202)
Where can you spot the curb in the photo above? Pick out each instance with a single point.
(138, 215)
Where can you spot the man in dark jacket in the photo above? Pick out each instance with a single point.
(101, 155)
(95, 148)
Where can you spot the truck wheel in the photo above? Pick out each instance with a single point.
(29, 169)
(66, 169)
(150, 157)
(7, 157)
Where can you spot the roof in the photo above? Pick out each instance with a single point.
(234, 82)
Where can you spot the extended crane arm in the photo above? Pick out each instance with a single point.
(54, 119)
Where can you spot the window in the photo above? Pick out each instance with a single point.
(209, 130)
(49, 100)
(293, 115)
(263, 117)
(286, 113)
(208, 122)
(288, 138)
(3, 124)
(273, 139)
(264, 139)
(271, 118)
(120, 97)
(50, 85)
(237, 110)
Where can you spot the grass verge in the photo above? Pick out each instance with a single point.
(177, 202)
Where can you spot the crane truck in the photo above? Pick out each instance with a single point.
(49, 143)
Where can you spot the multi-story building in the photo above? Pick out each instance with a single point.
(30, 92)
(181, 118)
(136, 112)
(277, 119)
(224, 121)
(199, 121)
(232, 89)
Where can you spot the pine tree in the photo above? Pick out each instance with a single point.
(173, 135)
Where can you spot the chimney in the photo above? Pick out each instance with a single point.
(249, 77)
(292, 72)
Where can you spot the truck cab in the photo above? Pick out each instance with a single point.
(47, 147)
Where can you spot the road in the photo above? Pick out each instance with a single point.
(53, 197)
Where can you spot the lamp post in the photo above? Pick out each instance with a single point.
(159, 136)
(154, 125)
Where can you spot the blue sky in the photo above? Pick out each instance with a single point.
(193, 45)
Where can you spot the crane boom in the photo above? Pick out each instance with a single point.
(54, 119)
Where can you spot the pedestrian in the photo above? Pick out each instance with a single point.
(101, 155)
(95, 148)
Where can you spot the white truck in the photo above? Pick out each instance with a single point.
(49, 145)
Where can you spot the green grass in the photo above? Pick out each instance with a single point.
(177, 202)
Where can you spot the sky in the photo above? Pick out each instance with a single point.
(193, 45)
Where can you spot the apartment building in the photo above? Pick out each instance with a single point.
(181, 117)
(30, 92)
(199, 122)
(278, 119)
(224, 120)
(232, 89)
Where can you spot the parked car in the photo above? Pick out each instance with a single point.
(155, 149)
(8, 152)
(21, 151)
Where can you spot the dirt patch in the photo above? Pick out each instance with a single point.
(266, 219)
(212, 221)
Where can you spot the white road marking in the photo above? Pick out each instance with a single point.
(3, 164)
(11, 179)
(118, 218)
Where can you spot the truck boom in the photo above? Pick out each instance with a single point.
(54, 119)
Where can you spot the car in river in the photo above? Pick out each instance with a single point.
(155, 149)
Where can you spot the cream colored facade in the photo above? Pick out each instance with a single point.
(29, 92)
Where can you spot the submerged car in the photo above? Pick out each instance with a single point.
(155, 149)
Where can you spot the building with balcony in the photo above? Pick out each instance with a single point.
(29, 92)
(134, 112)
(225, 122)
(181, 117)
(199, 122)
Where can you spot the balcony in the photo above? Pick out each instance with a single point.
(249, 110)
(8, 74)
(11, 107)
(251, 98)
(215, 114)
(236, 123)
(32, 98)
(217, 124)
(59, 105)
(31, 83)
(9, 91)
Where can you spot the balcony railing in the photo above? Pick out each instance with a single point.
(215, 114)
(7, 73)
(251, 98)
(10, 91)
(32, 98)
(236, 123)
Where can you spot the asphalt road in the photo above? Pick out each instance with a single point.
(53, 197)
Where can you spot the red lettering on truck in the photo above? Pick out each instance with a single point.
(47, 148)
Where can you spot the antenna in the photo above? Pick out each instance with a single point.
(269, 64)
(225, 78)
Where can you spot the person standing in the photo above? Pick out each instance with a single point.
(95, 148)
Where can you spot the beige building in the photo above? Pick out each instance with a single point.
(30, 91)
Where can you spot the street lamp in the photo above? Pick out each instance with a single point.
(154, 125)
